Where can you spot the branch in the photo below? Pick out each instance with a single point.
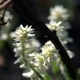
(5, 4)
(23, 8)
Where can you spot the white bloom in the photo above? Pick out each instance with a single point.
(8, 15)
(12, 34)
(22, 66)
(40, 61)
(58, 16)
(48, 51)
(70, 53)
(58, 13)
(19, 60)
(26, 50)
(53, 25)
(23, 32)
(28, 74)
(60, 30)
(4, 36)
(23, 42)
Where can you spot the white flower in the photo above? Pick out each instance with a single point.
(40, 61)
(53, 25)
(60, 30)
(26, 50)
(49, 51)
(22, 66)
(23, 32)
(70, 53)
(12, 34)
(28, 74)
(58, 13)
(24, 45)
(4, 36)
(8, 16)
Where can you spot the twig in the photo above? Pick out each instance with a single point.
(5, 4)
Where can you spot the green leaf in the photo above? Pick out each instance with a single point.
(47, 77)
(55, 67)
(2, 43)
(56, 70)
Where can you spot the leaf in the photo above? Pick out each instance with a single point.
(55, 67)
(47, 77)
(2, 43)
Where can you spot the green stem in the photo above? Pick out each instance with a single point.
(37, 73)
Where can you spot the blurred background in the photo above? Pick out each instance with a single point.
(11, 71)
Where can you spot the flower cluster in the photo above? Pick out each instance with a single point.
(28, 55)
(58, 22)
(49, 51)
(58, 13)
(26, 49)
(61, 32)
